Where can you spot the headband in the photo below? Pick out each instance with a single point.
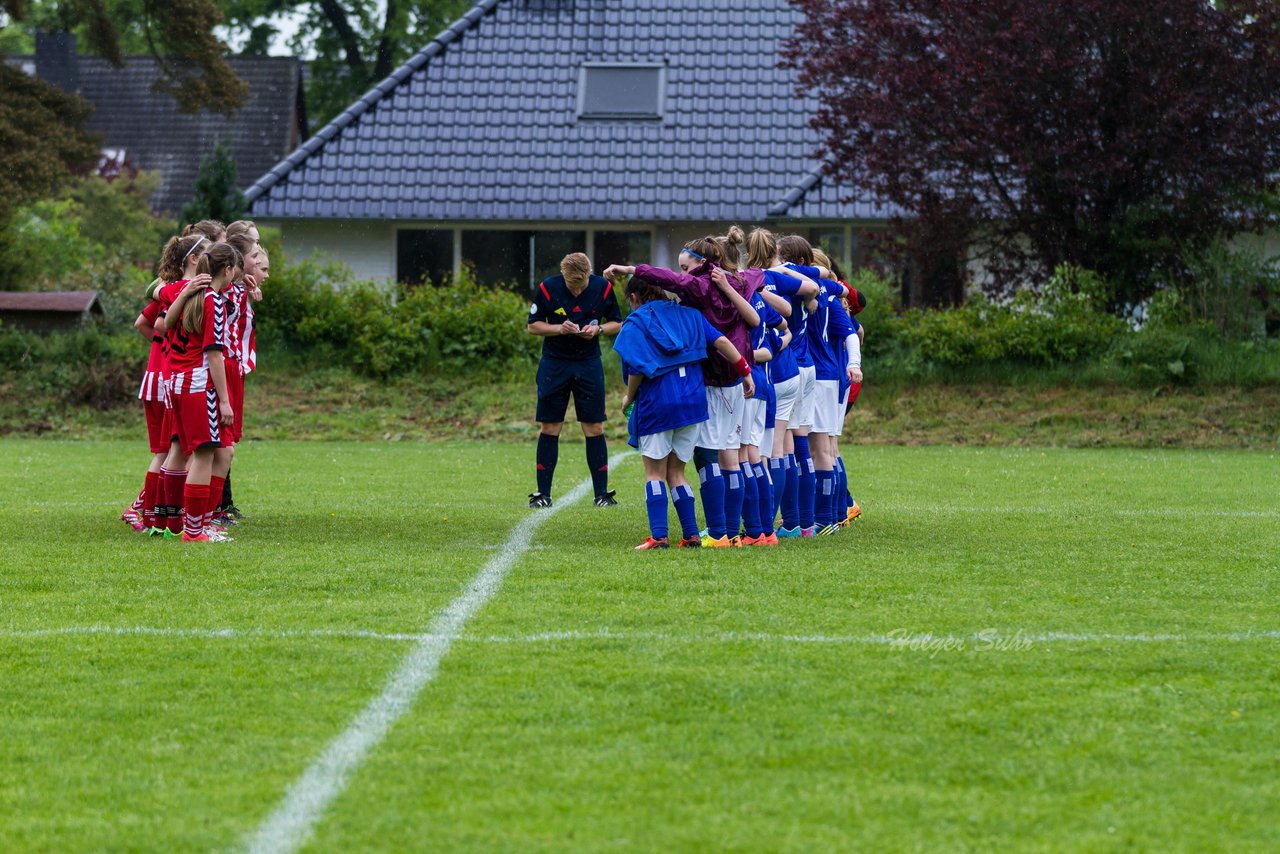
(194, 248)
(694, 254)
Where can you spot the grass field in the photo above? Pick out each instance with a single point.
(1064, 650)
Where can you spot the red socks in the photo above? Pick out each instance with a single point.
(196, 498)
(150, 499)
(215, 498)
(172, 484)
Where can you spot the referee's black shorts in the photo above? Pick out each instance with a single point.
(558, 378)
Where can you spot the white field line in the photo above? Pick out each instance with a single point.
(292, 821)
(694, 639)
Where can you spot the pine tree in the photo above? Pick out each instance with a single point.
(217, 190)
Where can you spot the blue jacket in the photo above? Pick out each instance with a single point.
(659, 337)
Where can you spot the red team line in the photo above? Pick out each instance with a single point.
(199, 319)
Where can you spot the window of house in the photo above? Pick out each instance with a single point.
(424, 255)
(518, 259)
(621, 247)
(621, 90)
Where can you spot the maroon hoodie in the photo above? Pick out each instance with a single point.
(696, 290)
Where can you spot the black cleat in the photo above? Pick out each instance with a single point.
(606, 499)
(233, 512)
(537, 499)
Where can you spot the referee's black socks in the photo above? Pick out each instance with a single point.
(598, 462)
(548, 453)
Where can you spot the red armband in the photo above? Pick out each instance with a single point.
(744, 370)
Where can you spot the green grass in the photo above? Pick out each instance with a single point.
(609, 700)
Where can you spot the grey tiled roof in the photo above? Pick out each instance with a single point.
(481, 124)
(158, 136)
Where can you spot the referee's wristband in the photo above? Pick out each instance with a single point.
(744, 370)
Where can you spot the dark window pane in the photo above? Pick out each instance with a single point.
(621, 92)
(499, 257)
(621, 247)
(424, 255)
(549, 247)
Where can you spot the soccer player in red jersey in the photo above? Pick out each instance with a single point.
(197, 340)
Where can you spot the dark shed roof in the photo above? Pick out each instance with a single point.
(482, 124)
(71, 302)
(156, 135)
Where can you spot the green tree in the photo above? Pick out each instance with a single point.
(356, 43)
(217, 188)
(178, 33)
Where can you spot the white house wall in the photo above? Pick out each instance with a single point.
(368, 248)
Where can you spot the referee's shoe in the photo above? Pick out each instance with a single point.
(604, 499)
(537, 499)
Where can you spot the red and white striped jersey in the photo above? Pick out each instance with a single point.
(152, 387)
(247, 335)
(234, 297)
(188, 352)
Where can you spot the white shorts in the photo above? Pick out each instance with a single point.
(787, 392)
(766, 442)
(802, 415)
(680, 441)
(844, 409)
(753, 422)
(828, 414)
(722, 431)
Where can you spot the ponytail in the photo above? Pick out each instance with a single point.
(213, 262)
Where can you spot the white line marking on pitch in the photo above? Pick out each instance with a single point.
(611, 635)
(292, 821)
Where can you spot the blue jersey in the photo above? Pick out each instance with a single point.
(786, 286)
(769, 318)
(677, 398)
(829, 326)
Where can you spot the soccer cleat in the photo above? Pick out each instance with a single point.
(788, 533)
(772, 540)
(225, 521)
(690, 543)
(216, 536)
(713, 543)
(133, 520)
(651, 543)
(606, 499)
(198, 538)
(172, 535)
(736, 542)
(537, 499)
(806, 533)
(156, 532)
(854, 512)
(826, 530)
(233, 512)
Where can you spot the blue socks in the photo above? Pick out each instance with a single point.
(712, 492)
(655, 501)
(682, 498)
(750, 501)
(826, 496)
(733, 495)
(764, 493)
(791, 494)
(808, 481)
(778, 474)
(844, 498)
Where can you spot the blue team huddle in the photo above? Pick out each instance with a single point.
(748, 369)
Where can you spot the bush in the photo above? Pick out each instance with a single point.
(318, 310)
(85, 368)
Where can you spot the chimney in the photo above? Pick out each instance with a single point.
(56, 61)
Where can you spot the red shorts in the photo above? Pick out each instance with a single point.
(155, 410)
(196, 414)
(169, 423)
(235, 391)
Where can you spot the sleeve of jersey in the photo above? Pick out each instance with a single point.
(781, 284)
(540, 308)
(215, 321)
(838, 326)
(712, 334)
(610, 313)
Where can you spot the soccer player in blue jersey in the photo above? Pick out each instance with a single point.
(837, 358)
(571, 311)
(662, 345)
(757, 506)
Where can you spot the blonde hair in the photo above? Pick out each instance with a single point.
(219, 257)
(732, 243)
(210, 228)
(821, 258)
(762, 248)
(575, 267)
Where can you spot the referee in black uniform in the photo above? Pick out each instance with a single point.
(571, 311)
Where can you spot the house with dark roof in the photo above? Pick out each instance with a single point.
(49, 311)
(532, 128)
(150, 132)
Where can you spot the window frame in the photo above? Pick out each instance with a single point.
(581, 114)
